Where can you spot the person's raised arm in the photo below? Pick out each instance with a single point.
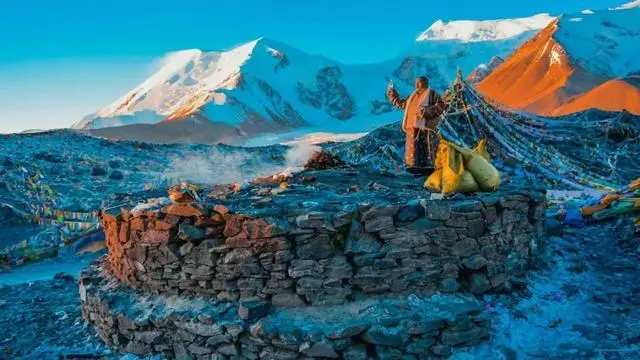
(394, 98)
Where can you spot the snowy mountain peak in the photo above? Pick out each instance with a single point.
(185, 79)
(629, 5)
(484, 30)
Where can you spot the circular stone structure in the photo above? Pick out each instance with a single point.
(280, 264)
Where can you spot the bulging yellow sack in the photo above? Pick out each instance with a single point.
(481, 148)
(452, 171)
(462, 170)
(434, 181)
(485, 174)
(467, 184)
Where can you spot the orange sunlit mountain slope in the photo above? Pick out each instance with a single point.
(575, 63)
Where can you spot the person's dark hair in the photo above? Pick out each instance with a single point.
(424, 79)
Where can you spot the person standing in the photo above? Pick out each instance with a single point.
(422, 110)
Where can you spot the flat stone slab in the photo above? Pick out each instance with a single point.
(200, 327)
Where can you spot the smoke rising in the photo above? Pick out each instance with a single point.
(222, 166)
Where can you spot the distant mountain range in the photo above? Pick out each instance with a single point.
(265, 86)
(579, 61)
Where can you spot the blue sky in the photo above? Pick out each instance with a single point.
(60, 60)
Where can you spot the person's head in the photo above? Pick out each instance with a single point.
(422, 83)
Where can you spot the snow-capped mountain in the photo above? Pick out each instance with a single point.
(584, 60)
(484, 30)
(446, 46)
(259, 87)
(265, 86)
(629, 5)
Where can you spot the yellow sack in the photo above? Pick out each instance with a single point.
(481, 148)
(434, 181)
(462, 170)
(452, 171)
(441, 154)
(467, 184)
(466, 153)
(485, 174)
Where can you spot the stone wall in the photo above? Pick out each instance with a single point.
(199, 328)
(327, 257)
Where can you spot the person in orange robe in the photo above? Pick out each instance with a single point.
(422, 110)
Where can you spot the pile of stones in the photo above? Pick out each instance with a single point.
(385, 279)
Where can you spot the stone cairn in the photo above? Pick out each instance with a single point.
(389, 281)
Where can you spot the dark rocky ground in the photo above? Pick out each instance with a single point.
(41, 320)
(582, 304)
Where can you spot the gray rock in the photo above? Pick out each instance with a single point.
(200, 328)
(455, 338)
(479, 283)
(449, 285)
(149, 337)
(420, 345)
(313, 220)
(186, 248)
(300, 268)
(251, 310)
(203, 254)
(385, 263)
(378, 212)
(346, 330)
(511, 216)
(475, 262)
(278, 354)
(287, 299)
(308, 285)
(411, 212)
(490, 214)
(465, 247)
(457, 220)
(388, 336)
(441, 350)
(238, 256)
(181, 352)
(319, 349)
(424, 224)
(450, 271)
(190, 233)
(359, 241)
(438, 209)
(218, 339)
(378, 224)
(388, 353)
(199, 350)
(138, 348)
(355, 352)
(467, 206)
(318, 247)
(228, 350)
(475, 228)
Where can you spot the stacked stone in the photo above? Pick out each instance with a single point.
(196, 330)
(254, 275)
(324, 258)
